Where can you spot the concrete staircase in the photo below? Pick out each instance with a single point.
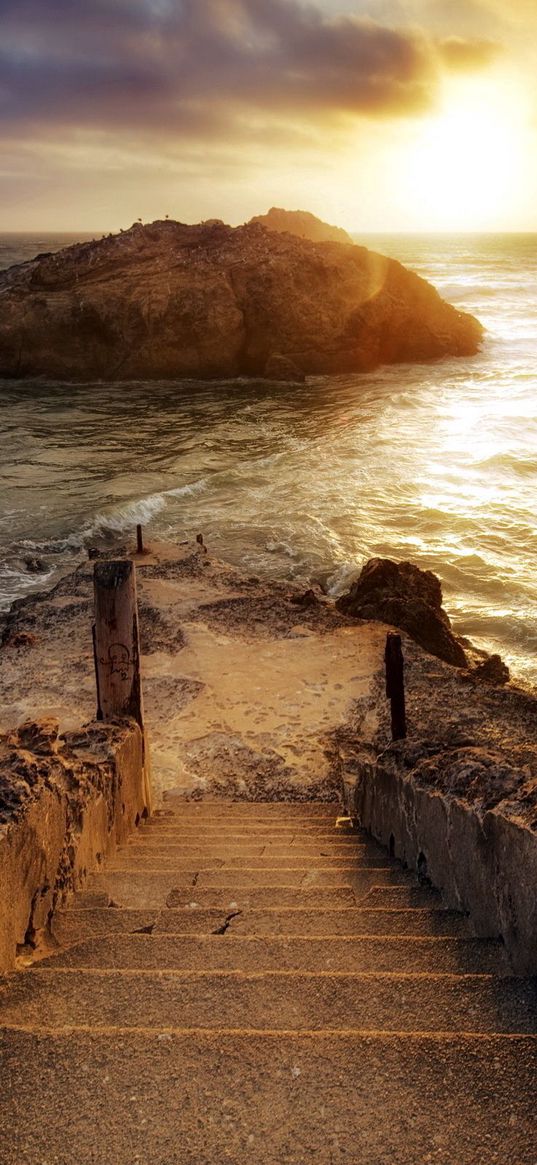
(247, 983)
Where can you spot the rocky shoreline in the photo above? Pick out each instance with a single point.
(258, 689)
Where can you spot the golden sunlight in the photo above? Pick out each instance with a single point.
(464, 166)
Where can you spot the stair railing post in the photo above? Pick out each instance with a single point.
(395, 684)
(117, 647)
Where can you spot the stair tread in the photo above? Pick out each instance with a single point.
(75, 924)
(248, 865)
(284, 1000)
(309, 953)
(200, 1099)
(300, 878)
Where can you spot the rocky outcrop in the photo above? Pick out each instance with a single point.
(167, 301)
(303, 224)
(65, 804)
(401, 594)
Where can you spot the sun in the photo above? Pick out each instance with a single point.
(464, 166)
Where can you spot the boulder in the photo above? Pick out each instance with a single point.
(282, 368)
(169, 301)
(403, 595)
(493, 670)
(35, 565)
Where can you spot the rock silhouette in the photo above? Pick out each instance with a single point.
(166, 300)
(303, 224)
(405, 596)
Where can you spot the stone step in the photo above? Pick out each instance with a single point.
(395, 897)
(146, 888)
(175, 1099)
(294, 877)
(193, 829)
(278, 813)
(229, 951)
(177, 806)
(125, 859)
(74, 925)
(249, 849)
(155, 891)
(57, 999)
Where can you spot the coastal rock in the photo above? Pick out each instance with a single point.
(401, 594)
(40, 736)
(35, 565)
(282, 368)
(493, 670)
(303, 224)
(168, 301)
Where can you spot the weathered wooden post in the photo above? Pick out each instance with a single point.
(395, 684)
(117, 647)
(117, 641)
(139, 540)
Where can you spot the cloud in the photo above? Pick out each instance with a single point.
(459, 53)
(198, 68)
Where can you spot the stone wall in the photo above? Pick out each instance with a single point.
(65, 805)
(465, 820)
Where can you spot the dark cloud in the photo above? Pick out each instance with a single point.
(195, 67)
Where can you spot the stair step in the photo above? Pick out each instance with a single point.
(343, 850)
(154, 892)
(284, 1001)
(393, 897)
(76, 925)
(200, 1100)
(251, 820)
(211, 952)
(218, 860)
(247, 829)
(147, 888)
(253, 810)
(295, 877)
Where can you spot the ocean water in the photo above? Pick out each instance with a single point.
(436, 462)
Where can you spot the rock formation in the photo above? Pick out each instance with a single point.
(167, 300)
(407, 597)
(302, 224)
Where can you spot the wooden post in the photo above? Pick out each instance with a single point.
(395, 684)
(99, 715)
(139, 540)
(116, 640)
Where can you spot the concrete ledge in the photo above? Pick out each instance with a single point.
(65, 805)
(465, 820)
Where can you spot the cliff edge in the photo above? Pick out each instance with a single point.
(165, 300)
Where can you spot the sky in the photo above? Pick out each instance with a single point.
(378, 115)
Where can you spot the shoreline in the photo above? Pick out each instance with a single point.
(250, 685)
(42, 582)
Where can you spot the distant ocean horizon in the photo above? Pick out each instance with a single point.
(436, 463)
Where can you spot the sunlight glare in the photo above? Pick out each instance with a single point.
(465, 165)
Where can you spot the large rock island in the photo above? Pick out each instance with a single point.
(166, 300)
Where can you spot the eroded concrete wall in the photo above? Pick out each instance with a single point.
(478, 849)
(65, 805)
